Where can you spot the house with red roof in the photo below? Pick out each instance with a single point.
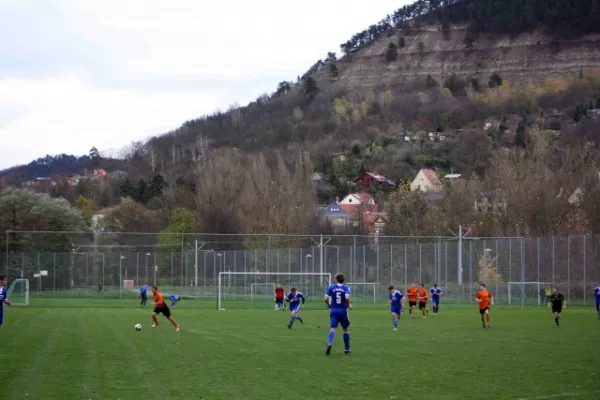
(371, 179)
(426, 181)
(362, 211)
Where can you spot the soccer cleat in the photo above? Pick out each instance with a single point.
(289, 326)
(348, 350)
(154, 326)
(301, 321)
(177, 328)
(328, 351)
(395, 329)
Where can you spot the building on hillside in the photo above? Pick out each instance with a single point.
(426, 181)
(118, 174)
(335, 215)
(99, 173)
(452, 177)
(371, 179)
(356, 204)
(374, 224)
(99, 215)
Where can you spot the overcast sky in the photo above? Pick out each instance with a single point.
(81, 73)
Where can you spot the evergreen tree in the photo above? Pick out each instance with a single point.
(391, 54)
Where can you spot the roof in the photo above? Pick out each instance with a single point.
(103, 211)
(452, 176)
(373, 176)
(333, 210)
(430, 175)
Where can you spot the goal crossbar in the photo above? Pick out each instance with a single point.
(538, 286)
(326, 275)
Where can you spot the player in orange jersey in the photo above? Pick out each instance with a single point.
(160, 307)
(412, 292)
(485, 299)
(423, 294)
(279, 296)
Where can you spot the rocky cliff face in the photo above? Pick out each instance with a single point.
(428, 51)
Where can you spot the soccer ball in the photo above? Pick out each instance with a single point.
(138, 327)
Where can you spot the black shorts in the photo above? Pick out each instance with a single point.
(483, 310)
(412, 303)
(422, 304)
(556, 310)
(278, 301)
(144, 296)
(163, 310)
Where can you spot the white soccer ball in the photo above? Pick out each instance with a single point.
(138, 327)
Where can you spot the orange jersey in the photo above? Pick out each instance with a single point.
(485, 297)
(423, 293)
(279, 293)
(412, 293)
(159, 299)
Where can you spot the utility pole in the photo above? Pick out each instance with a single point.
(460, 237)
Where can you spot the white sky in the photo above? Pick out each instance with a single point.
(76, 73)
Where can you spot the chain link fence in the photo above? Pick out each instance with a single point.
(517, 270)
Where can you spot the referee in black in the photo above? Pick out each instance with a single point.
(557, 301)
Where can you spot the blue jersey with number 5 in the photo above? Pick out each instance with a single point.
(337, 294)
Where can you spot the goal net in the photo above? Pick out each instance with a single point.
(363, 292)
(255, 290)
(527, 293)
(18, 292)
(262, 290)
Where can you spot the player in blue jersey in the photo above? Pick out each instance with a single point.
(295, 300)
(174, 299)
(396, 305)
(597, 296)
(3, 298)
(144, 294)
(337, 299)
(436, 292)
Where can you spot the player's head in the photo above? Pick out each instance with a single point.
(422, 285)
(2, 280)
(555, 290)
(391, 288)
(293, 290)
(482, 286)
(279, 286)
(435, 285)
(154, 289)
(339, 278)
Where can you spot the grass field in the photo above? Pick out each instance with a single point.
(88, 349)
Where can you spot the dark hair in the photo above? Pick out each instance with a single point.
(2, 277)
(293, 289)
(435, 284)
(482, 284)
(339, 278)
(422, 284)
(155, 287)
(391, 287)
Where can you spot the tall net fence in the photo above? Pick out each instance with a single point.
(116, 264)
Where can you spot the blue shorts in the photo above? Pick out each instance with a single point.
(295, 308)
(435, 301)
(397, 311)
(339, 318)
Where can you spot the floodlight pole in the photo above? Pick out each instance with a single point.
(321, 244)
(121, 275)
(460, 236)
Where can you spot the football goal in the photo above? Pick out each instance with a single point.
(527, 293)
(255, 290)
(18, 292)
(363, 291)
(262, 290)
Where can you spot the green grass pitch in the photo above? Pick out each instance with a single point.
(88, 349)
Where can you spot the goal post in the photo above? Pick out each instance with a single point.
(255, 290)
(262, 290)
(18, 292)
(363, 291)
(527, 293)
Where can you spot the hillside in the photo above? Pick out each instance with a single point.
(441, 84)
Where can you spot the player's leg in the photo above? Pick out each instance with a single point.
(333, 324)
(488, 317)
(292, 318)
(482, 312)
(154, 314)
(395, 319)
(557, 317)
(598, 308)
(167, 313)
(298, 317)
(345, 323)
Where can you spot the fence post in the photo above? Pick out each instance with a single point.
(420, 265)
(470, 269)
(584, 277)
(522, 272)
(538, 262)
(496, 266)
(405, 264)
(553, 262)
(569, 269)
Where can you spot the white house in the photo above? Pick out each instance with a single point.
(426, 181)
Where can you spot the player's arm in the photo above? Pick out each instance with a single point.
(303, 299)
(350, 306)
(491, 299)
(478, 298)
(564, 302)
(7, 302)
(326, 299)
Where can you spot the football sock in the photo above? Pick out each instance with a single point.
(291, 321)
(347, 340)
(299, 318)
(556, 320)
(395, 322)
(330, 338)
